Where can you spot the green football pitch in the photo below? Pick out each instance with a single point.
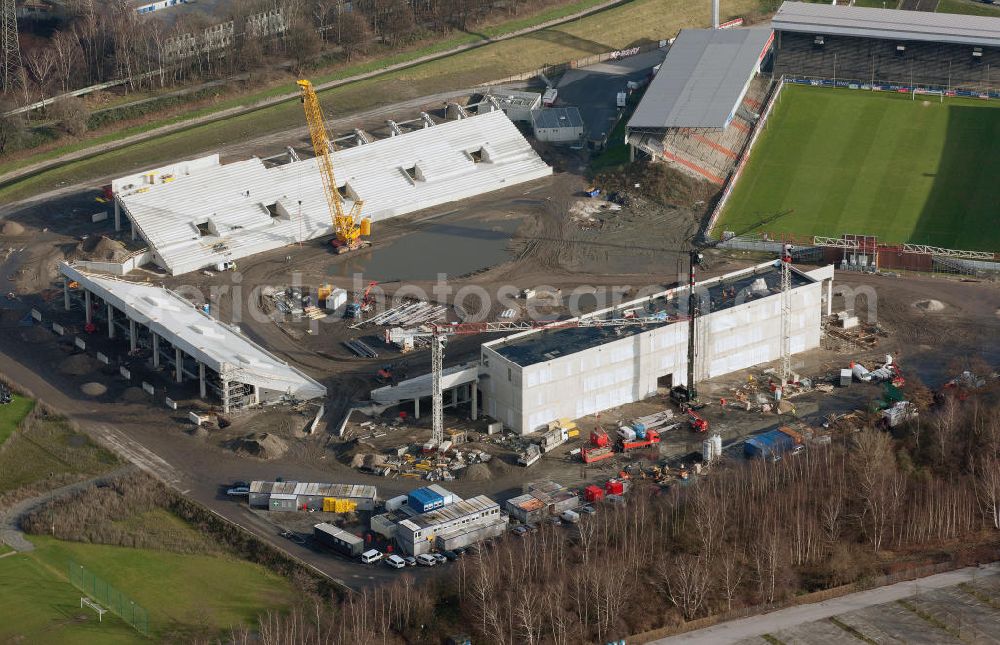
(850, 161)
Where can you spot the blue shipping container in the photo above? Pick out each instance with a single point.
(640, 430)
(769, 444)
(424, 499)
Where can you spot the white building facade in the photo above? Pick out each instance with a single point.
(532, 378)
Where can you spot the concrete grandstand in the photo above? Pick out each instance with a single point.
(888, 47)
(701, 107)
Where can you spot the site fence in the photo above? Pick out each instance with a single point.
(744, 155)
(109, 597)
(902, 87)
(873, 582)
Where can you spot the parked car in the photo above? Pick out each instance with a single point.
(294, 537)
(440, 558)
(554, 520)
(588, 509)
(410, 561)
(240, 484)
(239, 491)
(426, 560)
(450, 555)
(460, 551)
(395, 561)
(371, 555)
(520, 530)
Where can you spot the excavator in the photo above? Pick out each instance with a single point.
(348, 226)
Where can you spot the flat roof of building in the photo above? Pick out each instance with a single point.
(357, 491)
(220, 347)
(529, 348)
(702, 80)
(197, 213)
(515, 97)
(887, 24)
(339, 533)
(458, 510)
(557, 117)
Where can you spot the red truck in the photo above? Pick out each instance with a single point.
(652, 437)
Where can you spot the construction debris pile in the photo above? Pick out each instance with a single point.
(424, 462)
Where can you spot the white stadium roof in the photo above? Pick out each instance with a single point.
(249, 208)
(887, 24)
(220, 347)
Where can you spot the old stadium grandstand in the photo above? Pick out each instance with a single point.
(888, 48)
(700, 109)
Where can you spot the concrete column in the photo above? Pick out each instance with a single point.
(225, 396)
(416, 408)
(179, 365)
(829, 297)
(89, 314)
(111, 321)
(631, 152)
(66, 294)
(133, 340)
(133, 229)
(454, 396)
(202, 390)
(156, 348)
(256, 395)
(118, 216)
(474, 395)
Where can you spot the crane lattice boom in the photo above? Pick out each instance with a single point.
(348, 226)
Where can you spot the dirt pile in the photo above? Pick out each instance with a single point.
(102, 249)
(261, 445)
(93, 389)
(12, 229)
(79, 364)
(367, 460)
(477, 473)
(657, 182)
(929, 305)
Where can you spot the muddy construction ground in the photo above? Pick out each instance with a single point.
(539, 234)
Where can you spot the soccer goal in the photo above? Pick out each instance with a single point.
(84, 601)
(915, 91)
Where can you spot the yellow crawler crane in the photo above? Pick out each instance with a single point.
(349, 227)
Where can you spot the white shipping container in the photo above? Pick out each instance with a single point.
(336, 299)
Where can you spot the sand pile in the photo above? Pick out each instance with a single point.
(135, 395)
(79, 364)
(261, 445)
(12, 228)
(499, 466)
(93, 389)
(477, 473)
(102, 248)
(929, 305)
(369, 460)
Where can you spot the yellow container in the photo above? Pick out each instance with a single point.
(337, 505)
(366, 227)
(323, 292)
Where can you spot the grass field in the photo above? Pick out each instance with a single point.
(49, 449)
(970, 7)
(876, 164)
(627, 24)
(183, 594)
(11, 415)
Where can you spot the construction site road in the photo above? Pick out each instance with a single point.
(737, 630)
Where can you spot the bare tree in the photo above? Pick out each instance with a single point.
(355, 34)
(687, 580)
(71, 113)
(987, 473)
(41, 62)
(67, 54)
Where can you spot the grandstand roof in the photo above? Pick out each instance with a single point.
(702, 80)
(888, 24)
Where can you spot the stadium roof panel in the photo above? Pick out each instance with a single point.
(888, 24)
(702, 80)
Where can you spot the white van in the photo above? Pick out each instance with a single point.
(371, 555)
(395, 561)
(426, 560)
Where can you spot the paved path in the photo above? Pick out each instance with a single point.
(10, 530)
(737, 630)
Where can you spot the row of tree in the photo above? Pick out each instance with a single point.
(747, 534)
(104, 41)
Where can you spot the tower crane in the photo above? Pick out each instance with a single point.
(348, 226)
(689, 393)
(439, 333)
